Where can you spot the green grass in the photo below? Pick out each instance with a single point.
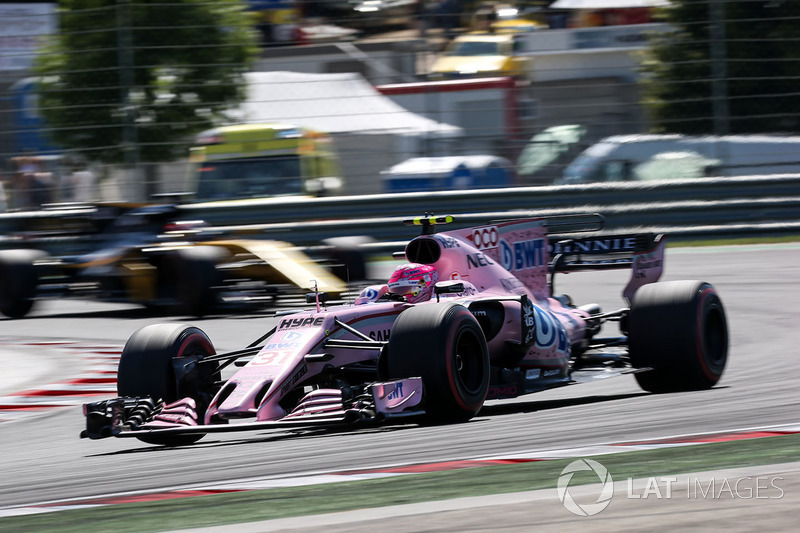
(250, 506)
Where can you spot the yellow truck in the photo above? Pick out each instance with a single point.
(482, 55)
(261, 160)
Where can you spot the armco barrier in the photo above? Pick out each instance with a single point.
(697, 208)
(294, 209)
(674, 215)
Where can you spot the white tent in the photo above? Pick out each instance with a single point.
(333, 103)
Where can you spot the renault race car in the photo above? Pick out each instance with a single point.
(472, 317)
(148, 256)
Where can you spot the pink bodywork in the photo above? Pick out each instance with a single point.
(504, 262)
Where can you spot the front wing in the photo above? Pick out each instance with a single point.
(138, 417)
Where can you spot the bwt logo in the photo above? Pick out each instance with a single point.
(523, 254)
(397, 393)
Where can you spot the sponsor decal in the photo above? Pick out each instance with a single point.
(533, 373)
(281, 346)
(478, 260)
(502, 391)
(549, 331)
(448, 242)
(454, 275)
(552, 372)
(380, 335)
(370, 293)
(596, 245)
(485, 238)
(397, 393)
(469, 290)
(292, 336)
(522, 255)
(528, 322)
(301, 322)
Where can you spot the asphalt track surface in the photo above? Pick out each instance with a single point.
(43, 459)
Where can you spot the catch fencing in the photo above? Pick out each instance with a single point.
(755, 206)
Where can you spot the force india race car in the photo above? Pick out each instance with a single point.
(473, 317)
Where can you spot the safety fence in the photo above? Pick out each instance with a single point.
(688, 209)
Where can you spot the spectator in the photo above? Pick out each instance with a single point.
(41, 185)
(22, 183)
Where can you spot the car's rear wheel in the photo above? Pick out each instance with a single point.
(679, 329)
(18, 282)
(161, 361)
(444, 345)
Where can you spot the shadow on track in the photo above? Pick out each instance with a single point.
(515, 407)
(518, 407)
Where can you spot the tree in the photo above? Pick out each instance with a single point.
(141, 77)
(758, 59)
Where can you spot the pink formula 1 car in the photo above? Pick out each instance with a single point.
(471, 317)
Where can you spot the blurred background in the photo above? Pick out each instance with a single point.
(126, 100)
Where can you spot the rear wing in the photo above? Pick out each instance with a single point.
(643, 253)
(534, 250)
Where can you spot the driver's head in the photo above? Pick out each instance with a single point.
(414, 281)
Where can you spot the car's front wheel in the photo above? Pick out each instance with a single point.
(147, 367)
(444, 345)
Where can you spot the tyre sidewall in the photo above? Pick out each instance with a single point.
(678, 329)
(18, 282)
(423, 344)
(146, 363)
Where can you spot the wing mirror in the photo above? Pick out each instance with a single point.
(311, 297)
(448, 287)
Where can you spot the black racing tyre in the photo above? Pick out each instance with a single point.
(18, 282)
(157, 362)
(189, 278)
(444, 345)
(679, 329)
(346, 257)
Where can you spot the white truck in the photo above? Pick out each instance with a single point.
(655, 157)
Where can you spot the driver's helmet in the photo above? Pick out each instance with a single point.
(414, 281)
